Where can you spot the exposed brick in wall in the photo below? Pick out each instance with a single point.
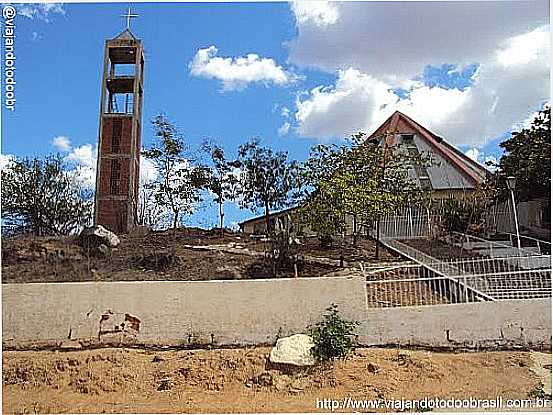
(113, 214)
(105, 177)
(117, 147)
(107, 134)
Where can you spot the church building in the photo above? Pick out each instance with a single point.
(451, 173)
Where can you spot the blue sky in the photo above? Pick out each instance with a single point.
(304, 75)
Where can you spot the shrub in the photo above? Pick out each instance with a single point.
(539, 392)
(334, 337)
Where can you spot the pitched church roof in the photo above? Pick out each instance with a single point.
(399, 123)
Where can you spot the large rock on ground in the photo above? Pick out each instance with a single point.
(294, 350)
(95, 236)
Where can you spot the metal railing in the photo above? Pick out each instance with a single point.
(406, 226)
(511, 277)
(528, 242)
(441, 269)
(408, 286)
(482, 270)
(490, 248)
(469, 280)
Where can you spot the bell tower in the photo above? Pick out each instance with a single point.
(119, 138)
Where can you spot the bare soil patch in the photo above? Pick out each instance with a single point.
(398, 287)
(239, 380)
(165, 255)
(439, 249)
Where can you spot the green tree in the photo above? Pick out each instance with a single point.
(359, 179)
(223, 180)
(178, 186)
(467, 213)
(528, 158)
(42, 197)
(268, 179)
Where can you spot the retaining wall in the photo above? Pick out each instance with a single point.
(173, 313)
(487, 324)
(166, 313)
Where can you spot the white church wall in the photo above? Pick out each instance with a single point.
(442, 175)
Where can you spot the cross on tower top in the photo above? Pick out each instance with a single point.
(129, 16)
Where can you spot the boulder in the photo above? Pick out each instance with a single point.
(94, 236)
(294, 350)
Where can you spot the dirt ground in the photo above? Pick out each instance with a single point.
(163, 255)
(439, 249)
(240, 380)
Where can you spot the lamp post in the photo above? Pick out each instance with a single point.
(511, 184)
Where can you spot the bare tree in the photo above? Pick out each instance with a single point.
(179, 184)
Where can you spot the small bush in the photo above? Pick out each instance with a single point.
(334, 337)
(539, 392)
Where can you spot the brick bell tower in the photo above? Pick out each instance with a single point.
(119, 141)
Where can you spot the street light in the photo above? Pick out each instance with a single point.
(511, 184)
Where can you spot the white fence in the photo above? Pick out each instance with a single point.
(458, 267)
(505, 278)
(410, 286)
(461, 281)
(506, 246)
(408, 226)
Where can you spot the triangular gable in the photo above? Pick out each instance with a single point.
(402, 124)
(125, 35)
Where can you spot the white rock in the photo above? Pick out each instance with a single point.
(97, 235)
(294, 350)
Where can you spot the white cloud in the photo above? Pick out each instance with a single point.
(318, 13)
(477, 155)
(148, 171)
(473, 153)
(84, 155)
(398, 39)
(527, 122)
(284, 129)
(61, 143)
(6, 160)
(82, 160)
(41, 11)
(82, 163)
(499, 98)
(493, 163)
(434, 107)
(525, 48)
(345, 108)
(236, 73)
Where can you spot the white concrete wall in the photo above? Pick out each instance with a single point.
(173, 313)
(252, 312)
(511, 323)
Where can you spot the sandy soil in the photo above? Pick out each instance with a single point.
(239, 380)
